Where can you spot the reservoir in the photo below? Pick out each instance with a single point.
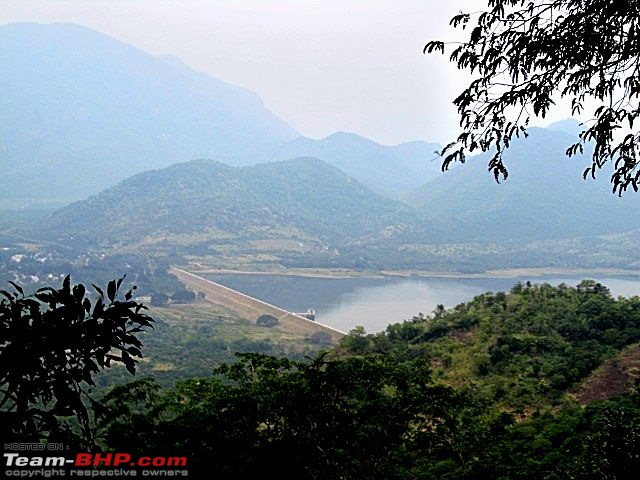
(373, 303)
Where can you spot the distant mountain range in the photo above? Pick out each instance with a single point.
(311, 208)
(543, 197)
(82, 111)
(392, 171)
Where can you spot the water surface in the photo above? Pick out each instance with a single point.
(373, 303)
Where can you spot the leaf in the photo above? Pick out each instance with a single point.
(44, 297)
(433, 47)
(98, 308)
(111, 290)
(476, 34)
(98, 289)
(78, 292)
(6, 294)
(17, 287)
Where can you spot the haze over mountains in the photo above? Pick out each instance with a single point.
(391, 171)
(84, 110)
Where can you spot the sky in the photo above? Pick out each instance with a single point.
(321, 66)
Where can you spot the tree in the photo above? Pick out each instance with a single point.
(183, 296)
(159, 299)
(524, 53)
(266, 417)
(51, 345)
(321, 338)
(267, 321)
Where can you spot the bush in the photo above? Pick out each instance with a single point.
(320, 338)
(183, 296)
(267, 321)
(159, 299)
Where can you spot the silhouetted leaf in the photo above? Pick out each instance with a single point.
(17, 287)
(111, 290)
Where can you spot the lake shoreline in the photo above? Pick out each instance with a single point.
(350, 273)
(344, 299)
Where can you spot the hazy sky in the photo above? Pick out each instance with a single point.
(322, 66)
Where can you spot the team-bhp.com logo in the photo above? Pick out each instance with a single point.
(122, 459)
(94, 465)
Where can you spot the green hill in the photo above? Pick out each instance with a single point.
(202, 205)
(524, 350)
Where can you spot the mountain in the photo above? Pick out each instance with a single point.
(81, 111)
(306, 212)
(84, 110)
(569, 126)
(201, 203)
(392, 171)
(544, 196)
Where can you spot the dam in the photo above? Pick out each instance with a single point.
(251, 308)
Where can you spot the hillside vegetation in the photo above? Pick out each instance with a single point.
(522, 350)
(203, 205)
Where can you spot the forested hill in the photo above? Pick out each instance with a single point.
(203, 202)
(306, 212)
(534, 347)
(84, 110)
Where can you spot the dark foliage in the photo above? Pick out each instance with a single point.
(380, 407)
(267, 321)
(51, 346)
(183, 296)
(159, 299)
(363, 417)
(352, 418)
(525, 54)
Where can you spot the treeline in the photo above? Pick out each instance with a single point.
(370, 417)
